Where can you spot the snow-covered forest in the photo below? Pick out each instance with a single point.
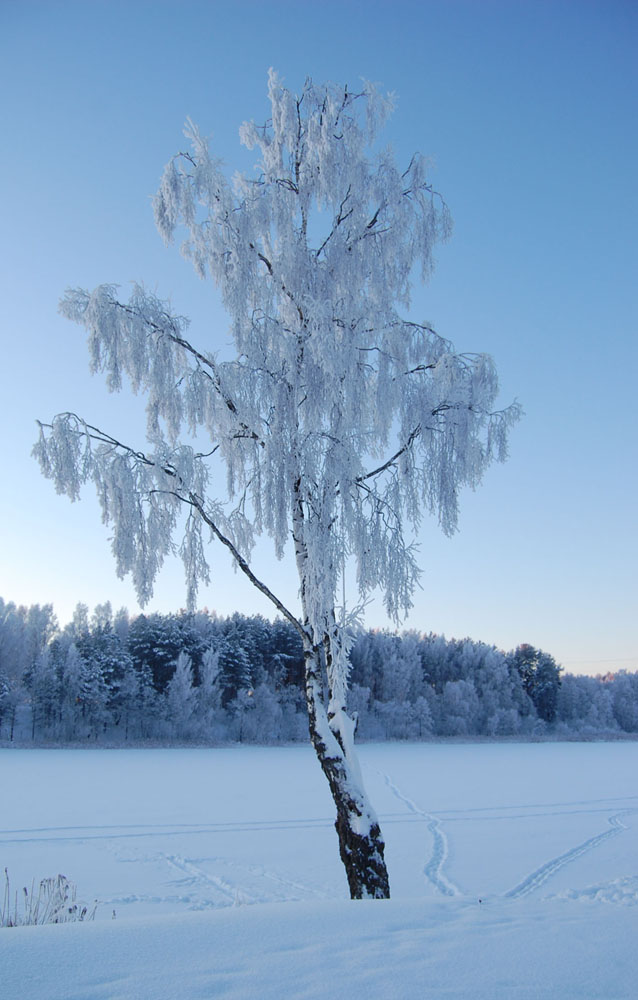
(198, 677)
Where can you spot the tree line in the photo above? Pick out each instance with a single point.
(200, 677)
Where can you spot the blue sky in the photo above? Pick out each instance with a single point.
(528, 111)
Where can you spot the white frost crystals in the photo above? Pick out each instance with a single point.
(54, 902)
(338, 422)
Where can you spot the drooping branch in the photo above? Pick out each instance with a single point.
(180, 491)
(207, 363)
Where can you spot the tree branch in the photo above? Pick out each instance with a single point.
(186, 496)
(338, 221)
(196, 502)
(212, 373)
(391, 461)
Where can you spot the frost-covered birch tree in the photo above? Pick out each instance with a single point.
(339, 422)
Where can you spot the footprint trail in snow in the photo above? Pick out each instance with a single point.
(433, 870)
(538, 877)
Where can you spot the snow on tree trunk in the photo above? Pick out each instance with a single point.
(338, 422)
(361, 845)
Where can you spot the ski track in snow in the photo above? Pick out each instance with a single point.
(219, 880)
(539, 876)
(200, 879)
(433, 870)
(142, 830)
(238, 893)
(254, 883)
(122, 831)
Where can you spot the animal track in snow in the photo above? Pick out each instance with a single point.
(433, 870)
(538, 877)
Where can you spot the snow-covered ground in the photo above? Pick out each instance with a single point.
(513, 867)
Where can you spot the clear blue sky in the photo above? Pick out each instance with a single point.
(529, 112)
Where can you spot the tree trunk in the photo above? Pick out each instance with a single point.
(361, 845)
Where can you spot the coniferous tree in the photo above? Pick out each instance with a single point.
(147, 713)
(110, 659)
(5, 698)
(235, 667)
(129, 703)
(94, 698)
(45, 692)
(541, 678)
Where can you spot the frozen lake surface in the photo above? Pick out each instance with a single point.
(513, 869)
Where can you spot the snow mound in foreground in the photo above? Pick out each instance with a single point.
(331, 950)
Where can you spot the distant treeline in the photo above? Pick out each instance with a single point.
(199, 677)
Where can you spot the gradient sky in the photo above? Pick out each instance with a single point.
(529, 113)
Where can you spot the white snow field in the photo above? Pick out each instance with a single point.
(513, 867)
